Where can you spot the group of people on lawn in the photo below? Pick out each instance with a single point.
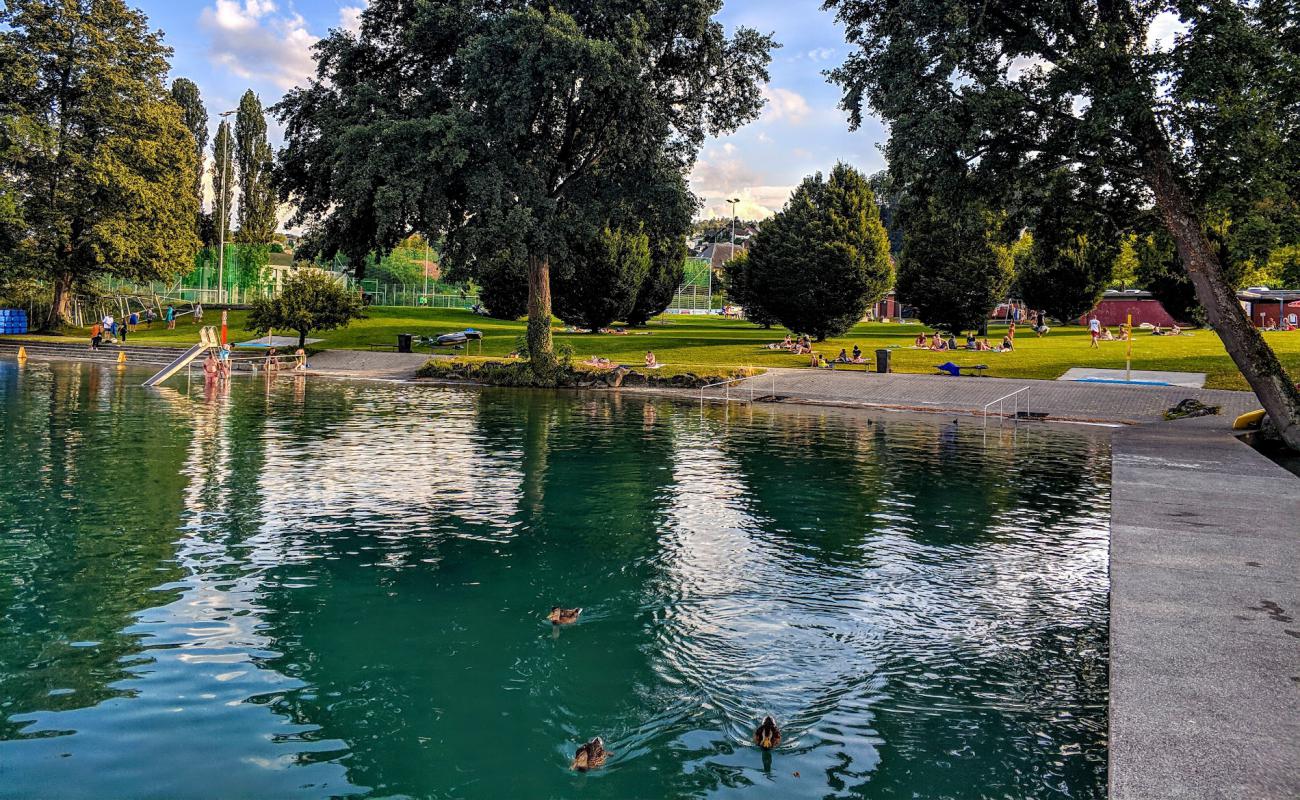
(937, 342)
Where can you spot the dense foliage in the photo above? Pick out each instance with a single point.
(311, 300)
(819, 264)
(953, 269)
(1072, 259)
(185, 93)
(508, 125)
(253, 166)
(998, 95)
(738, 285)
(99, 168)
(601, 278)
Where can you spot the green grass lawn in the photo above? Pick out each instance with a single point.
(707, 342)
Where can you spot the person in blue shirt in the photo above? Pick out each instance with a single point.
(171, 318)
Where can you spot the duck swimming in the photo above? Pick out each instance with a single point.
(767, 735)
(590, 755)
(563, 616)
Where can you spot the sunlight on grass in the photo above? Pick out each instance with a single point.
(686, 343)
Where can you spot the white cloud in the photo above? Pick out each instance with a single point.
(784, 105)
(714, 181)
(1165, 28)
(1020, 66)
(350, 17)
(821, 54)
(255, 42)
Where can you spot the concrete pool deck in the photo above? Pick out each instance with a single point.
(1205, 617)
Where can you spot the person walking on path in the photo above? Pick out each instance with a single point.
(171, 318)
(1094, 329)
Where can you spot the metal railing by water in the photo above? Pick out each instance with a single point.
(741, 396)
(1014, 397)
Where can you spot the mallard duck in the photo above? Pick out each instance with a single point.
(563, 616)
(590, 755)
(767, 735)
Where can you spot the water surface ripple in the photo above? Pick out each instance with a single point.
(323, 589)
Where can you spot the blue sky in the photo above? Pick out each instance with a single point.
(227, 46)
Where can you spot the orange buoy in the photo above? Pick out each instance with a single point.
(22, 353)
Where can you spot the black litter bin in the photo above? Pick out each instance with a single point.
(882, 361)
(404, 342)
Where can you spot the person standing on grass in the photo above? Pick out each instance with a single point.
(171, 318)
(1094, 329)
(96, 334)
(198, 313)
(132, 321)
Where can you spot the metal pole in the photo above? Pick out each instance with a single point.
(426, 268)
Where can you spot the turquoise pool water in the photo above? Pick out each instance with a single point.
(325, 589)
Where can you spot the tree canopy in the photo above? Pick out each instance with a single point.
(954, 269)
(1072, 258)
(602, 279)
(254, 164)
(185, 93)
(997, 95)
(819, 264)
(505, 124)
(739, 289)
(310, 300)
(99, 165)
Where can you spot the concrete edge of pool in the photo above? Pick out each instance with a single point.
(1205, 617)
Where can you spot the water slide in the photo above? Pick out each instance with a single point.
(207, 340)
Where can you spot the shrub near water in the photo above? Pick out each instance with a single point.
(522, 373)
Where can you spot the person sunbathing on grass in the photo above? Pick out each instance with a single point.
(600, 362)
(857, 354)
(920, 340)
(843, 357)
(650, 361)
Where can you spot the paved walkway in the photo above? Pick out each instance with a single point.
(1205, 617)
(1091, 402)
(367, 364)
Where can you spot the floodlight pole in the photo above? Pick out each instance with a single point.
(733, 202)
(225, 212)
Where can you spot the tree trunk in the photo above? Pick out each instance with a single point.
(302, 338)
(59, 308)
(539, 312)
(1252, 355)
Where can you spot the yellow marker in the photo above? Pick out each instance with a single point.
(121, 356)
(22, 353)
(1128, 363)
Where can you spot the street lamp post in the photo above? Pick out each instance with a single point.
(225, 213)
(732, 201)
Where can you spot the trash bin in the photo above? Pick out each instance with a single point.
(882, 361)
(404, 342)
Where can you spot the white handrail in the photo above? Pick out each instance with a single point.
(1001, 400)
(728, 384)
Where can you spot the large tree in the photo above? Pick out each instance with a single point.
(819, 264)
(955, 268)
(1010, 92)
(100, 161)
(601, 279)
(496, 120)
(223, 182)
(739, 287)
(1072, 257)
(254, 162)
(185, 93)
